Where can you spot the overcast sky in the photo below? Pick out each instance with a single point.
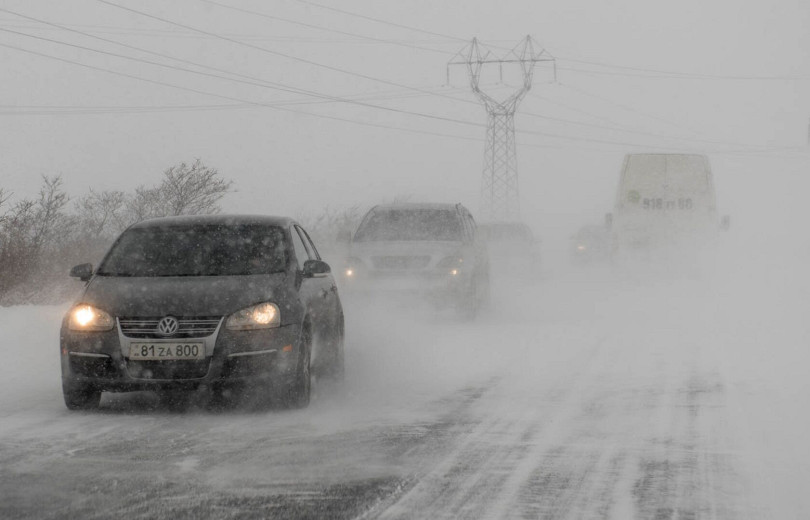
(726, 78)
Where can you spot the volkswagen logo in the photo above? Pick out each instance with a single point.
(168, 326)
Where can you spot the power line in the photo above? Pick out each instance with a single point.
(622, 106)
(663, 74)
(275, 53)
(231, 98)
(692, 75)
(300, 91)
(64, 27)
(321, 28)
(364, 123)
(279, 87)
(637, 132)
(168, 33)
(378, 20)
(128, 46)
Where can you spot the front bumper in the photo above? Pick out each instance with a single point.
(232, 357)
(439, 288)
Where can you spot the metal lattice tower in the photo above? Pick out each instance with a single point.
(500, 194)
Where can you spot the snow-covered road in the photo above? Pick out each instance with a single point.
(590, 393)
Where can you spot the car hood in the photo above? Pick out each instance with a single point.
(183, 296)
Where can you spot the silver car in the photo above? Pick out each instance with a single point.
(432, 250)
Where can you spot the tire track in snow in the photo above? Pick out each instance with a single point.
(473, 480)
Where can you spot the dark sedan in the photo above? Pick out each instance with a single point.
(228, 303)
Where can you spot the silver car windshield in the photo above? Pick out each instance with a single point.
(410, 224)
(197, 250)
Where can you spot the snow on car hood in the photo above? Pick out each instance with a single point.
(183, 296)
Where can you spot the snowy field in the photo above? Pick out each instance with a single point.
(593, 392)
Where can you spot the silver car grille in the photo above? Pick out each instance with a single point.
(400, 262)
(188, 327)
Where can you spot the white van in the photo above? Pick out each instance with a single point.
(664, 200)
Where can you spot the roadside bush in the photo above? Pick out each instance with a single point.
(42, 238)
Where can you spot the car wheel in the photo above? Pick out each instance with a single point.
(470, 301)
(297, 394)
(335, 370)
(81, 397)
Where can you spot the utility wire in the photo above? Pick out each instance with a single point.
(680, 74)
(141, 49)
(276, 53)
(262, 85)
(263, 15)
(378, 20)
(296, 91)
(321, 28)
(239, 100)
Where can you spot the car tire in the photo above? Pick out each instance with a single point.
(298, 392)
(335, 371)
(470, 302)
(81, 396)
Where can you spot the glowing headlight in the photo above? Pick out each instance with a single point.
(87, 317)
(349, 272)
(261, 316)
(454, 272)
(581, 248)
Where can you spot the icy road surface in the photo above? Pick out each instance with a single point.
(587, 394)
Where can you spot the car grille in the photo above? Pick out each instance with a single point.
(189, 327)
(185, 369)
(400, 262)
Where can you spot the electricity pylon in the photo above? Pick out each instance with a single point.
(500, 194)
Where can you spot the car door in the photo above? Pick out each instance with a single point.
(316, 292)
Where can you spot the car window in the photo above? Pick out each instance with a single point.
(470, 224)
(301, 252)
(411, 224)
(308, 243)
(197, 250)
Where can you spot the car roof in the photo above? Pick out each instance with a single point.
(225, 220)
(503, 225)
(416, 205)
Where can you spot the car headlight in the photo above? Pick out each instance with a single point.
(261, 316)
(87, 317)
(353, 266)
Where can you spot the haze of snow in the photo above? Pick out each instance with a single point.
(575, 358)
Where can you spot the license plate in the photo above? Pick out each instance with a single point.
(166, 351)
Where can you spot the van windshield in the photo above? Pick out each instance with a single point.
(197, 250)
(410, 224)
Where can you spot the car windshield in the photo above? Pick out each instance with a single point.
(410, 224)
(197, 250)
(506, 232)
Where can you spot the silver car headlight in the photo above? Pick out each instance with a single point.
(88, 318)
(261, 316)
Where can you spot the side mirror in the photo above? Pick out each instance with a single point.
(82, 271)
(315, 269)
(608, 220)
(344, 236)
